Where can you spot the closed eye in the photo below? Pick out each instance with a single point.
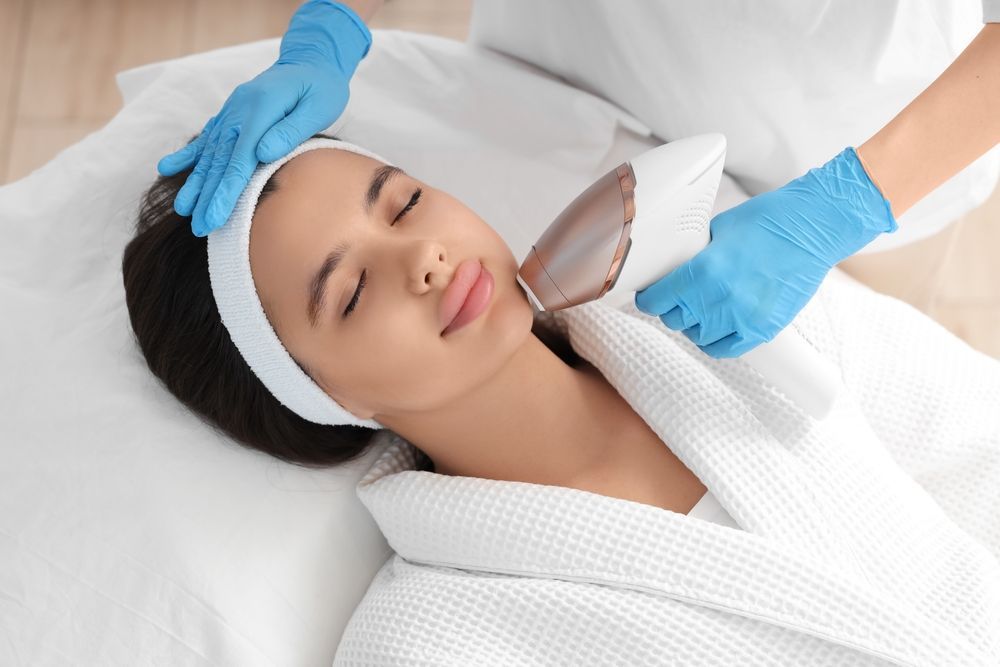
(414, 199)
(413, 202)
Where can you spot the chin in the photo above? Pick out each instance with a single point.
(513, 305)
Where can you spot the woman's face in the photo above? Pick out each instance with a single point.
(388, 355)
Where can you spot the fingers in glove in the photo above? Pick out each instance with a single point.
(661, 296)
(287, 133)
(199, 221)
(190, 192)
(697, 282)
(238, 172)
(183, 158)
(703, 337)
(732, 346)
(678, 318)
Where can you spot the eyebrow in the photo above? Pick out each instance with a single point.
(317, 286)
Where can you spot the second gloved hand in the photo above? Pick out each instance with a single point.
(768, 256)
(263, 119)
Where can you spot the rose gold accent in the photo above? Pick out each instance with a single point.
(626, 180)
(580, 255)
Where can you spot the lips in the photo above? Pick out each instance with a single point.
(455, 294)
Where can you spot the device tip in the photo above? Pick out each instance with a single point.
(531, 295)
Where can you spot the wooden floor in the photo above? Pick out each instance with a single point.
(58, 59)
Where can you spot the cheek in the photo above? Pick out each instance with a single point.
(392, 366)
(389, 356)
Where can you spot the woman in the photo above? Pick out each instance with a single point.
(491, 379)
(555, 527)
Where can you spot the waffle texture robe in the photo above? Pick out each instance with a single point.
(869, 538)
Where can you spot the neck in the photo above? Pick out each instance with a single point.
(538, 420)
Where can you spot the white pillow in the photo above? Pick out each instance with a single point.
(132, 533)
(790, 84)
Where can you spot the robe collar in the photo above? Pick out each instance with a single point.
(812, 580)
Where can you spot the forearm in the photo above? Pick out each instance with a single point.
(948, 126)
(365, 9)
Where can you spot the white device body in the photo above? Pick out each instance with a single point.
(675, 190)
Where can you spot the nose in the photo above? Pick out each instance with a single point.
(429, 268)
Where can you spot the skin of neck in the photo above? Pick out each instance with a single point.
(536, 420)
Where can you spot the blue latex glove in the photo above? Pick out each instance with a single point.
(768, 256)
(263, 119)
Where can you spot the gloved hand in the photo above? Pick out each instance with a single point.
(263, 119)
(768, 256)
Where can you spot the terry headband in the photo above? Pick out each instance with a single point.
(243, 315)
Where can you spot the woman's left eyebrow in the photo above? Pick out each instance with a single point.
(380, 177)
(317, 286)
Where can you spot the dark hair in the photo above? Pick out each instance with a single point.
(177, 326)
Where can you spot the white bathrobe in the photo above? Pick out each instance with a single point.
(870, 538)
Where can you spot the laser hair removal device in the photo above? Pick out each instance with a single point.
(639, 222)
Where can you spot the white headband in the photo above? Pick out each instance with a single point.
(243, 315)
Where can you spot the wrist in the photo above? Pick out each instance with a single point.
(839, 207)
(365, 9)
(870, 173)
(329, 29)
(852, 189)
(875, 203)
